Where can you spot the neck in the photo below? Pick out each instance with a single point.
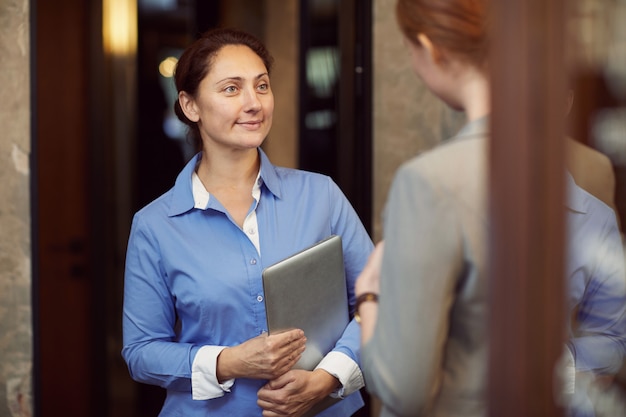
(475, 95)
(231, 170)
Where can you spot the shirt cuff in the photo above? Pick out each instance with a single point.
(204, 384)
(569, 372)
(347, 371)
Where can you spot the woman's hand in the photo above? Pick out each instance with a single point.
(295, 392)
(262, 357)
(369, 282)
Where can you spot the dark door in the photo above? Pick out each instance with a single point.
(65, 371)
(335, 133)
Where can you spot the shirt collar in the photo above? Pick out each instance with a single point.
(189, 193)
(478, 127)
(201, 196)
(576, 198)
(269, 175)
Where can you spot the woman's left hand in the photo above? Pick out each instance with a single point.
(369, 282)
(295, 392)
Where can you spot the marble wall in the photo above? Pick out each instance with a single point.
(15, 245)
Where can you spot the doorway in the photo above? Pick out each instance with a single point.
(87, 193)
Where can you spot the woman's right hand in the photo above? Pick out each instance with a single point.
(262, 357)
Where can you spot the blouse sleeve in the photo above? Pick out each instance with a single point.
(599, 344)
(149, 318)
(402, 361)
(357, 246)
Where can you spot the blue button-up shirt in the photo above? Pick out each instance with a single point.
(597, 283)
(193, 280)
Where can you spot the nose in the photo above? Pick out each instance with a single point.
(251, 100)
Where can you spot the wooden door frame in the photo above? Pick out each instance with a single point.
(85, 107)
(526, 250)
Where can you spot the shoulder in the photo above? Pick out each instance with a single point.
(592, 171)
(451, 178)
(155, 210)
(589, 215)
(581, 153)
(451, 165)
(294, 174)
(297, 174)
(292, 179)
(280, 180)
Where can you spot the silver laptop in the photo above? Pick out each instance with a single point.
(308, 291)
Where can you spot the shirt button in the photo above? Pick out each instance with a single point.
(252, 261)
(251, 231)
(259, 298)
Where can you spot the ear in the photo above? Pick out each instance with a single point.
(433, 51)
(188, 106)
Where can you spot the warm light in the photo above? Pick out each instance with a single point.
(167, 66)
(119, 26)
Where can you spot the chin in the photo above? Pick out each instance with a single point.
(249, 143)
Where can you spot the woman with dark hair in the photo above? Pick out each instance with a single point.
(194, 316)
(424, 337)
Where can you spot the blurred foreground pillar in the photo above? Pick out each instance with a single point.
(527, 330)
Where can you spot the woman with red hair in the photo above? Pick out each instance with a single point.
(425, 341)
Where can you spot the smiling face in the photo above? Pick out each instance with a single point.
(234, 103)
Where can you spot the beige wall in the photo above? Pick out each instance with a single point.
(276, 22)
(15, 251)
(281, 38)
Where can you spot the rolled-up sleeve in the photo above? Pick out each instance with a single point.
(204, 383)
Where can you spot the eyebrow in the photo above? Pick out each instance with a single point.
(240, 78)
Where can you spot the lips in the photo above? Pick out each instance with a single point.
(251, 125)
